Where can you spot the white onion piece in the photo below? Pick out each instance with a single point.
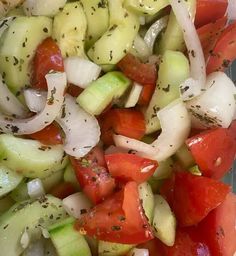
(9, 104)
(231, 11)
(134, 95)
(81, 72)
(56, 85)
(175, 124)
(76, 204)
(35, 188)
(5, 23)
(193, 86)
(139, 252)
(216, 106)
(25, 240)
(35, 100)
(81, 129)
(140, 48)
(154, 31)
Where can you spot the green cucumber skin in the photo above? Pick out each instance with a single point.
(31, 158)
(113, 249)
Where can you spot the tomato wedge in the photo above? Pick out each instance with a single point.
(74, 90)
(127, 122)
(133, 68)
(50, 135)
(213, 151)
(195, 197)
(93, 176)
(224, 51)
(209, 11)
(129, 167)
(209, 34)
(218, 228)
(63, 190)
(48, 57)
(146, 94)
(119, 219)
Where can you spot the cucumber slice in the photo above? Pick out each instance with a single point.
(17, 48)
(6, 203)
(97, 15)
(164, 222)
(27, 217)
(52, 180)
(184, 157)
(113, 249)
(20, 193)
(147, 198)
(69, 176)
(8, 180)
(31, 158)
(195, 170)
(18, 11)
(69, 29)
(100, 93)
(164, 170)
(173, 70)
(68, 241)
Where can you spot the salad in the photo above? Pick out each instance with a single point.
(117, 126)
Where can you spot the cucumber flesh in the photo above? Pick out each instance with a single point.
(164, 169)
(6, 203)
(20, 193)
(31, 158)
(28, 216)
(69, 176)
(9, 180)
(17, 48)
(69, 29)
(184, 157)
(113, 249)
(100, 93)
(52, 180)
(68, 241)
(173, 70)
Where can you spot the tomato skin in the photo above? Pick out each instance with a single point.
(217, 10)
(167, 190)
(134, 69)
(93, 176)
(119, 219)
(213, 151)
(50, 135)
(224, 51)
(209, 34)
(129, 167)
(146, 94)
(127, 122)
(218, 228)
(48, 57)
(74, 90)
(63, 190)
(195, 196)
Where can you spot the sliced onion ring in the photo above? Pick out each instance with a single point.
(56, 85)
(231, 11)
(194, 85)
(175, 123)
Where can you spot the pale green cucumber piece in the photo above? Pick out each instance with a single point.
(147, 198)
(20, 193)
(195, 170)
(116, 41)
(100, 93)
(17, 49)
(146, 7)
(17, 11)
(116, 12)
(113, 249)
(164, 169)
(184, 157)
(52, 180)
(28, 216)
(69, 29)
(69, 176)
(164, 221)
(68, 241)
(9, 180)
(31, 158)
(155, 184)
(173, 70)
(97, 15)
(172, 38)
(5, 204)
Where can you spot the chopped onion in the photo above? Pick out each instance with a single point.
(194, 85)
(140, 48)
(175, 124)
(216, 106)
(134, 95)
(35, 100)
(231, 11)
(56, 85)
(81, 72)
(76, 204)
(81, 129)
(154, 31)
(9, 104)
(25, 239)
(35, 188)
(139, 252)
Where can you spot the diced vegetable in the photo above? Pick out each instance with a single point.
(35, 188)
(69, 176)
(138, 252)
(133, 96)
(63, 190)
(184, 157)
(113, 249)
(164, 170)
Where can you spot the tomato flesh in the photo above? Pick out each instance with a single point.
(213, 151)
(119, 219)
(47, 58)
(146, 94)
(63, 190)
(129, 167)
